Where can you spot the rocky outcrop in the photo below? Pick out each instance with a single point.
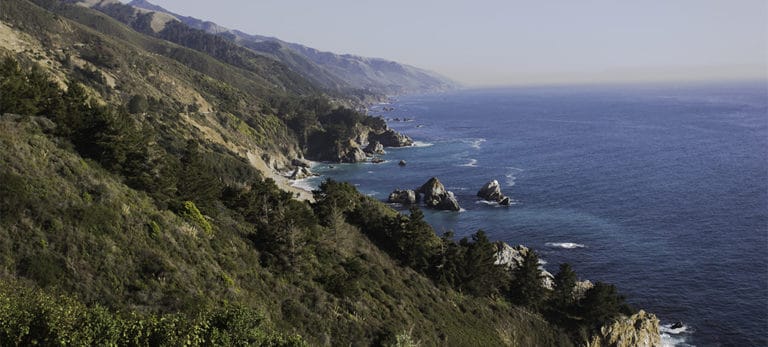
(352, 153)
(581, 288)
(491, 191)
(299, 162)
(390, 138)
(639, 330)
(435, 196)
(301, 173)
(374, 147)
(404, 196)
(402, 163)
(513, 256)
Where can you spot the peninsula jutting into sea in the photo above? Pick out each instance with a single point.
(166, 180)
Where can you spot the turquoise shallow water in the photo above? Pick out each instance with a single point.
(661, 190)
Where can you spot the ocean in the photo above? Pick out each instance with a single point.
(661, 190)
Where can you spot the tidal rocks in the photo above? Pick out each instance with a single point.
(491, 191)
(374, 147)
(435, 196)
(300, 162)
(377, 160)
(638, 330)
(402, 163)
(390, 138)
(301, 173)
(404, 196)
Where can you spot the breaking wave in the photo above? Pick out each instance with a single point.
(566, 245)
(472, 163)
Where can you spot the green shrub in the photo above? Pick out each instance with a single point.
(190, 212)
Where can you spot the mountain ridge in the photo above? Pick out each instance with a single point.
(375, 74)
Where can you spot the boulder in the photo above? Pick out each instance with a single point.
(301, 173)
(638, 330)
(404, 196)
(374, 147)
(299, 162)
(491, 191)
(402, 163)
(435, 196)
(390, 138)
(377, 160)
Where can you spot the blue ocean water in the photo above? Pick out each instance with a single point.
(661, 190)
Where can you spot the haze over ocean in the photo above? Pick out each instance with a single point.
(659, 189)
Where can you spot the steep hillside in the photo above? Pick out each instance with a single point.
(328, 69)
(137, 186)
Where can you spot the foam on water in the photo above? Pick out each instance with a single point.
(675, 337)
(422, 144)
(308, 184)
(476, 143)
(566, 245)
(511, 175)
(472, 163)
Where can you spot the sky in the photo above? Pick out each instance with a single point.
(511, 42)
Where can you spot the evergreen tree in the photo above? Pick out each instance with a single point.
(565, 281)
(481, 275)
(526, 288)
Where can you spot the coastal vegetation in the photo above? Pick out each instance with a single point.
(132, 213)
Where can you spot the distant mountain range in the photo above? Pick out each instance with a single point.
(330, 70)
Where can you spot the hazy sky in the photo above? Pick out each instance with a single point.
(485, 42)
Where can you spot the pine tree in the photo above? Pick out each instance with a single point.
(526, 288)
(565, 281)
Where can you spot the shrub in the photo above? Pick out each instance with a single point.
(190, 212)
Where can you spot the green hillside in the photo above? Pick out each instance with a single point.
(138, 207)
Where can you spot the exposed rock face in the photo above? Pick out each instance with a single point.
(301, 173)
(390, 138)
(402, 163)
(405, 197)
(513, 256)
(300, 162)
(435, 196)
(374, 147)
(639, 330)
(491, 191)
(581, 288)
(352, 154)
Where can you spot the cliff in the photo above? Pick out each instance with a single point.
(639, 330)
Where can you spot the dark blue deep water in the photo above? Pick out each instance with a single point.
(661, 190)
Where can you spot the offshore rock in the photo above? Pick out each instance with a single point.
(390, 138)
(374, 147)
(491, 191)
(405, 197)
(639, 330)
(435, 196)
(402, 163)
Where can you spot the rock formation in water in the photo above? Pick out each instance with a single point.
(435, 196)
(404, 196)
(390, 138)
(374, 147)
(491, 191)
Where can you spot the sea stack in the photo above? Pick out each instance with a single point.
(435, 196)
(491, 191)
